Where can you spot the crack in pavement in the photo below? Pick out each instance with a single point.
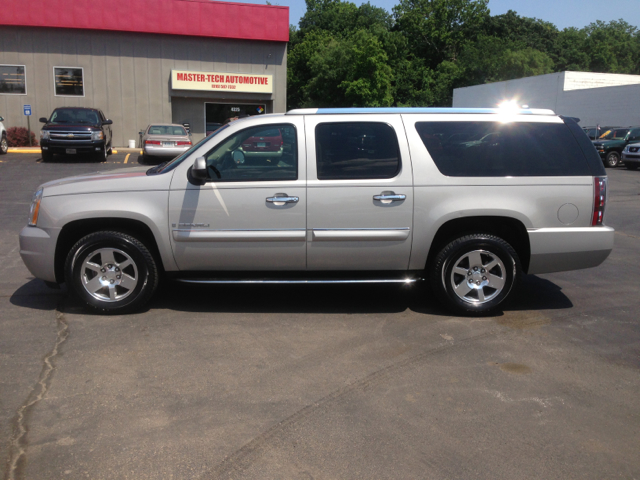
(18, 445)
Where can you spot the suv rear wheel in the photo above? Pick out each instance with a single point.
(111, 272)
(4, 145)
(476, 273)
(613, 159)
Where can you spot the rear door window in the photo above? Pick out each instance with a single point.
(496, 149)
(356, 150)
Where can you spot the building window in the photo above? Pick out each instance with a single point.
(68, 81)
(13, 80)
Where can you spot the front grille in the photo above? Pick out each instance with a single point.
(70, 137)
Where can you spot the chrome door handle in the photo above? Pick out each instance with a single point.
(281, 199)
(389, 197)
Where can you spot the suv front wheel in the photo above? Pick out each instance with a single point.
(613, 159)
(111, 272)
(475, 274)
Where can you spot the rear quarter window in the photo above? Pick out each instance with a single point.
(496, 149)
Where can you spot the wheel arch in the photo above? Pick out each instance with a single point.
(511, 230)
(77, 229)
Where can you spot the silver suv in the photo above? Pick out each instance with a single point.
(468, 199)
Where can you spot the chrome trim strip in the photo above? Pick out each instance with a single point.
(352, 234)
(202, 235)
(307, 282)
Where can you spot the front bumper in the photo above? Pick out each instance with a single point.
(631, 158)
(562, 249)
(37, 249)
(80, 148)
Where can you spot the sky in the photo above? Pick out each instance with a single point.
(562, 13)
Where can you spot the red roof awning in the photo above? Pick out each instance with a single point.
(200, 18)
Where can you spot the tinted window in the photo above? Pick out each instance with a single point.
(70, 115)
(264, 153)
(68, 81)
(356, 150)
(12, 79)
(494, 149)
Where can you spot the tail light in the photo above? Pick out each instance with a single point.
(152, 142)
(599, 200)
(184, 143)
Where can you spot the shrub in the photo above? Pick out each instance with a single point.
(18, 137)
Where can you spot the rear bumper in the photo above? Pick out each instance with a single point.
(561, 249)
(158, 151)
(37, 249)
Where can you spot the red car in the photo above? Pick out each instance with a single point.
(268, 144)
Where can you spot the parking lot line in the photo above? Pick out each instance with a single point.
(126, 159)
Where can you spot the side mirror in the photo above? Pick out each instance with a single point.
(140, 132)
(107, 122)
(198, 172)
(43, 120)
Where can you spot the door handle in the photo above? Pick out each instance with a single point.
(389, 197)
(282, 198)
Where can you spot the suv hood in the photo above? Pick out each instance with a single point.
(120, 180)
(606, 143)
(70, 126)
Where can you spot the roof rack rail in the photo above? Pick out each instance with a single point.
(419, 110)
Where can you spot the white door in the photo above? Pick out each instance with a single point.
(251, 214)
(359, 193)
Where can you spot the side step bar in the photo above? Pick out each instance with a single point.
(298, 281)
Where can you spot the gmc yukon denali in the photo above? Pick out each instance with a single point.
(468, 199)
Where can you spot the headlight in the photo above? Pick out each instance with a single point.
(35, 208)
(44, 134)
(97, 136)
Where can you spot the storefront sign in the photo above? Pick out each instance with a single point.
(217, 81)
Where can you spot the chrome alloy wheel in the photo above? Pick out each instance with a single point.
(109, 275)
(4, 146)
(478, 276)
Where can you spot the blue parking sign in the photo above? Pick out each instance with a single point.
(27, 110)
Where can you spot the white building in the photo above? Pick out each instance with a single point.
(595, 98)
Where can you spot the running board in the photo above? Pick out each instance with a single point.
(298, 281)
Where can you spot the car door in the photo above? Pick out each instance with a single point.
(359, 193)
(251, 213)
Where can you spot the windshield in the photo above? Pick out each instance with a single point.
(166, 130)
(171, 164)
(72, 115)
(617, 134)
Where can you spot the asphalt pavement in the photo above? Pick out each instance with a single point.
(319, 382)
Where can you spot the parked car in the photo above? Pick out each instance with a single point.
(165, 140)
(357, 195)
(4, 145)
(76, 131)
(631, 156)
(610, 144)
(594, 132)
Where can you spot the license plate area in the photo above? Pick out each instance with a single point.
(70, 151)
(167, 144)
(261, 144)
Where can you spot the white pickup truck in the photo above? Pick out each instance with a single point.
(467, 198)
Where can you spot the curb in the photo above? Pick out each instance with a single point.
(24, 150)
(37, 150)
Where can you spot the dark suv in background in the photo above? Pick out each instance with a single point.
(76, 131)
(611, 143)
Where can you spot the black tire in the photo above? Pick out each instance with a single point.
(612, 160)
(4, 145)
(47, 156)
(102, 155)
(114, 290)
(482, 299)
(631, 166)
